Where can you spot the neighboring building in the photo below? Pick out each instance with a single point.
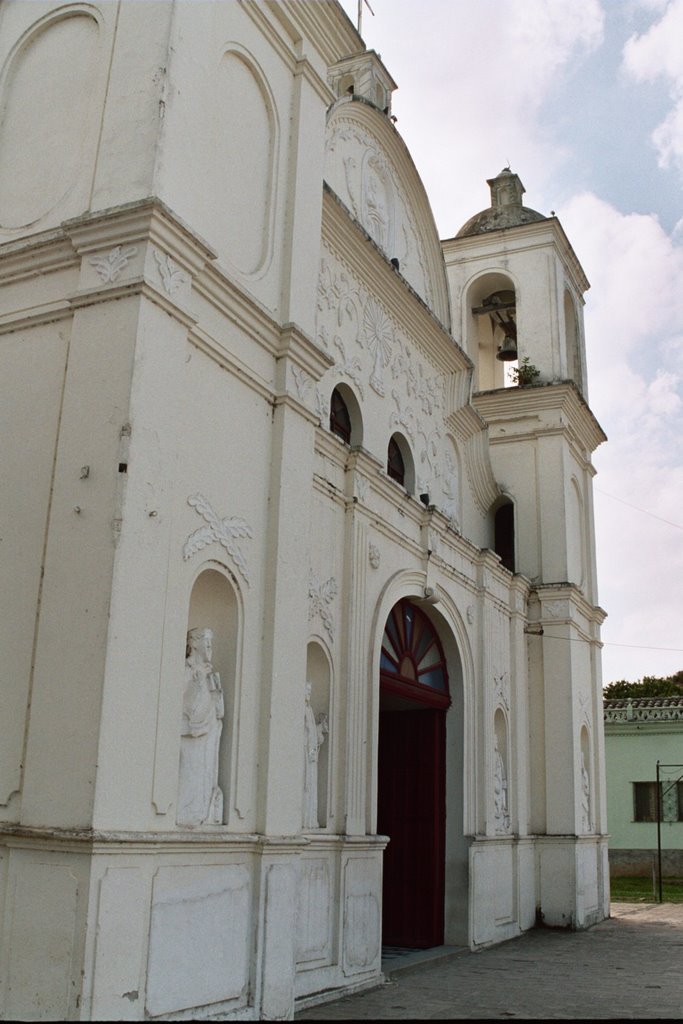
(639, 732)
(287, 569)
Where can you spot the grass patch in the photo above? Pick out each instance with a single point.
(631, 889)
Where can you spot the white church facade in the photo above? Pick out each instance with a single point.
(300, 634)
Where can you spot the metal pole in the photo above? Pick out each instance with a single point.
(659, 834)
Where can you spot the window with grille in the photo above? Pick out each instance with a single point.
(645, 801)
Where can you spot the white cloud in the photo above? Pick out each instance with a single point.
(659, 52)
(472, 80)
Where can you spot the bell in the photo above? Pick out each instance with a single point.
(508, 350)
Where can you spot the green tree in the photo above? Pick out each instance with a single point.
(648, 686)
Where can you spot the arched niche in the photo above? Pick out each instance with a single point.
(586, 783)
(46, 105)
(576, 554)
(501, 772)
(503, 529)
(346, 419)
(572, 341)
(319, 675)
(494, 298)
(214, 605)
(245, 142)
(400, 462)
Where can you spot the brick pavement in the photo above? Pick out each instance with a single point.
(630, 966)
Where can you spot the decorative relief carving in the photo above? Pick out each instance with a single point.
(109, 267)
(350, 368)
(321, 595)
(200, 798)
(553, 609)
(336, 292)
(360, 486)
(378, 332)
(450, 490)
(322, 407)
(374, 556)
(377, 207)
(429, 458)
(470, 613)
(223, 531)
(302, 381)
(501, 690)
(404, 418)
(427, 390)
(171, 275)
(376, 198)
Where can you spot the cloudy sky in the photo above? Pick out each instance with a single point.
(584, 100)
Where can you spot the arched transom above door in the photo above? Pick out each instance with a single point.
(412, 662)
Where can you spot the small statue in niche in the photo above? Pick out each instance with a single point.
(500, 792)
(315, 731)
(200, 798)
(585, 797)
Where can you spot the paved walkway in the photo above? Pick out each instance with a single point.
(630, 966)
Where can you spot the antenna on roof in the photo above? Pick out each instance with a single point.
(360, 14)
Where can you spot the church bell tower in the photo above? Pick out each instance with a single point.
(517, 295)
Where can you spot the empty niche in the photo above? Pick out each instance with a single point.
(318, 675)
(244, 153)
(571, 327)
(45, 107)
(213, 606)
(575, 536)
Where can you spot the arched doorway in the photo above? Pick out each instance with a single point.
(411, 797)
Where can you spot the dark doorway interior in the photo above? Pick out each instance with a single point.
(411, 804)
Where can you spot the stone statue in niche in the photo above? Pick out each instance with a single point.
(500, 792)
(315, 731)
(200, 799)
(585, 797)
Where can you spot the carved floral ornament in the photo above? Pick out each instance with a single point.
(111, 266)
(501, 690)
(321, 594)
(221, 531)
(171, 275)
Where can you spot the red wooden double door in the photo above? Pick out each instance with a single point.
(411, 803)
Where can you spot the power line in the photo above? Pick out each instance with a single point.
(609, 643)
(638, 509)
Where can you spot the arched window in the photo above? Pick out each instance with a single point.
(412, 662)
(396, 467)
(340, 419)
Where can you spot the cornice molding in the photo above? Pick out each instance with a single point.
(299, 348)
(520, 237)
(504, 405)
